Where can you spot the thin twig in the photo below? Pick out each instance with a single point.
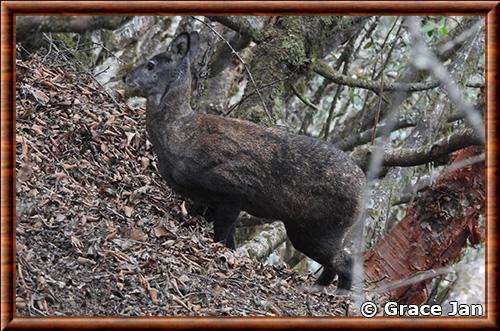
(377, 114)
(102, 71)
(425, 59)
(414, 279)
(376, 76)
(244, 64)
(391, 119)
(304, 100)
(233, 107)
(100, 44)
(84, 68)
(50, 48)
(331, 112)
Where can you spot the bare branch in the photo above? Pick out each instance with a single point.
(364, 137)
(346, 62)
(356, 139)
(365, 118)
(236, 105)
(409, 157)
(324, 70)
(30, 25)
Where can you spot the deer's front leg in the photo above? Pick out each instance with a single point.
(224, 217)
(195, 209)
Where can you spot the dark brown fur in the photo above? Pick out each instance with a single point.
(230, 165)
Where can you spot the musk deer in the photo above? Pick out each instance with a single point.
(231, 165)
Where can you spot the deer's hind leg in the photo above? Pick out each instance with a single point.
(324, 247)
(341, 265)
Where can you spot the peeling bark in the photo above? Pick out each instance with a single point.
(433, 232)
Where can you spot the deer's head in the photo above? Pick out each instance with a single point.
(156, 76)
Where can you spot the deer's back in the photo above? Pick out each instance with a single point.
(269, 172)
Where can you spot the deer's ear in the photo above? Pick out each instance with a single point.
(180, 46)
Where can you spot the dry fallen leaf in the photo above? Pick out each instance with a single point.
(128, 211)
(86, 261)
(112, 235)
(76, 243)
(161, 231)
(130, 136)
(153, 293)
(39, 96)
(217, 290)
(138, 234)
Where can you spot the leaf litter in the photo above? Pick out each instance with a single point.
(99, 233)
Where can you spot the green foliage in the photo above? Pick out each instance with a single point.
(357, 101)
(301, 88)
(235, 88)
(109, 39)
(367, 45)
(292, 50)
(65, 38)
(435, 28)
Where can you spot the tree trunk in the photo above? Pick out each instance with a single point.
(283, 56)
(433, 232)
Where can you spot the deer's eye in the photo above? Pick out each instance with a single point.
(151, 65)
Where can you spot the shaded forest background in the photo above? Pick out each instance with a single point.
(403, 96)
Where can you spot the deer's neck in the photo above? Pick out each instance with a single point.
(163, 111)
(168, 108)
